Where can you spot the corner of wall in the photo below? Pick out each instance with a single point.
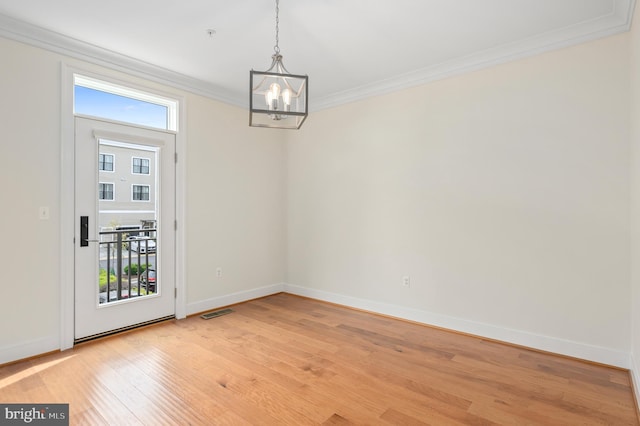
(634, 372)
(233, 298)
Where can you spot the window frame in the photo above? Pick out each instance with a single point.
(113, 163)
(133, 185)
(113, 191)
(148, 160)
(172, 105)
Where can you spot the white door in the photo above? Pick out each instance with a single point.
(125, 226)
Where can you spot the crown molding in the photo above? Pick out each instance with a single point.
(617, 21)
(55, 42)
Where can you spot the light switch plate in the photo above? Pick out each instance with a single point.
(43, 213)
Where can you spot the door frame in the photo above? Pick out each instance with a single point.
(67, 197)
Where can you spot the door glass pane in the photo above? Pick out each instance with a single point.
(128, 223)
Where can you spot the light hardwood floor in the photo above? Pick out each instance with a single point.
(286, 360)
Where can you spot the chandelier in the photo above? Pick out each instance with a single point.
(278, 99)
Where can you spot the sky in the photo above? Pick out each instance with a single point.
(119, 108)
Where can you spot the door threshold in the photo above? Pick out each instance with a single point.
(122, 329)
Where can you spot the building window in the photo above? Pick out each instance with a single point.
(140, 166)
(105, 191)
(105, 162)
(140, 193)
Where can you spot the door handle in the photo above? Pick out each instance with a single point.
(84, 231)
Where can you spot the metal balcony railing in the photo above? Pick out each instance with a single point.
(122, 248)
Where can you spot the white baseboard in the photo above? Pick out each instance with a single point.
(52, 343)
(28, 349)
(523, 338)
(635, 378)
(230, 299)
(517, 337)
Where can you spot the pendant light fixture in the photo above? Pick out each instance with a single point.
(278, 99)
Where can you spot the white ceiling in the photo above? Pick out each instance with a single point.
(350, 49)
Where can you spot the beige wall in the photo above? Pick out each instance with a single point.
(235, 201)
(635, 199)
(29, 178)
(503, 194)
(234, 191)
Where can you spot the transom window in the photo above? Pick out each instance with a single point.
(102, 99)
(105, 162)
(140, 193)
(140, 166)
(105, 191)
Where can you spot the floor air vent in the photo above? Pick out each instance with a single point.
(214, 314)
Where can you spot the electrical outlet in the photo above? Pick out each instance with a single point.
(218, 272)
(406, 281)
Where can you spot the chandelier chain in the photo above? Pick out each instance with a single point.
(276, 48)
